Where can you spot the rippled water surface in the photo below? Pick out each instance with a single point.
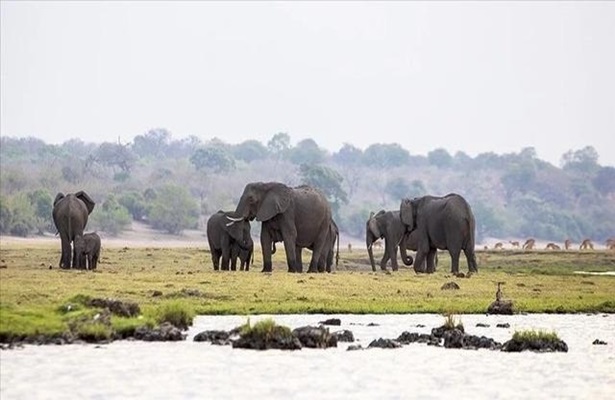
(190, 370)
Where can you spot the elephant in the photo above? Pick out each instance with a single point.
(245, 256)
(70, 216)
(88, 247)
(445, 223)
(387, 225)
(300, 216)
(223, 235)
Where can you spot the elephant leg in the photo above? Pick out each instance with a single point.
(299, 261)
(215, 258)
(431, 257)
(421, 255)
(319, 248)
(226, 257)
(471, 258)
(266, 246)
(383, 262)
(391, 249)
(65, 258)
(454, 260)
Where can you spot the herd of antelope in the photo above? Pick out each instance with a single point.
(530, 244)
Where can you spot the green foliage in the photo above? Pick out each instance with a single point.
(111, 217)
(584, 161)
(327, 180)
(135, 203)
(535, 336)
(93, 332)
(279, 145)
(173, 209)
(348, 155)
(250, 150)
(307, 152)
(266, 328)
(440, 158)
(213, 158)
(451, 323)
(17, 215)
(385, 155)
(176, 312)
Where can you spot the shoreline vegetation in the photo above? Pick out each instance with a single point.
(41, 303)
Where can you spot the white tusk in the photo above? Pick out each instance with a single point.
(230, 223)
(234, 219)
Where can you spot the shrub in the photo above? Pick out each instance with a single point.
(177, 313)
(535, 336)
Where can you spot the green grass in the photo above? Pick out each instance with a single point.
(177, 283)
(535, 336)
(266, 328)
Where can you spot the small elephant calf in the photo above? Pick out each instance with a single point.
(88, 249)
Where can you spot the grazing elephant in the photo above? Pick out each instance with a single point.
(299, 216)
(445, 223)
(70, 216)
(88, 247)
(387, 225)
(223, 235)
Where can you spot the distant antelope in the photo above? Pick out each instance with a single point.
(552, 246)
(568, 244)
(514, 244)
(586, 245)
(529, 244)
(499, 246)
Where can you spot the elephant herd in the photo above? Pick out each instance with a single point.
(299, 217)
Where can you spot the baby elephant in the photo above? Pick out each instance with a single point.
(89, 249)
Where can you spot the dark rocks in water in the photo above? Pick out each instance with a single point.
(384, 344)
(439, 331)
(278, 337)
(482, 325)
(413, 337)
(344, 336)
(315, 337)
(217, 337)
(116, 307)
(166, 332)
(354, 347)
(599, 342)
(537, 345)
(503, 307)
(331, 321)
(504, 325)
(373, 324)
(456, 339)
(420, 325)
(450, 286)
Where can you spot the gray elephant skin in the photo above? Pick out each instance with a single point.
(88, 247)
(387, 225)
(299, 216)
(70, 216)
(245, 256)
(227, 239)
(445, 223)
(325, 262)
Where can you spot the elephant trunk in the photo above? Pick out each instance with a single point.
(369, 241)
(403, 251)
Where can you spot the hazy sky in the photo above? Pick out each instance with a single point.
(472, 76)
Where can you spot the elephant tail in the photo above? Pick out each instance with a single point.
(337, 253)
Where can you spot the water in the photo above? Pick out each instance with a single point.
(190, 370)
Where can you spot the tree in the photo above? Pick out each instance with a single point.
(214, 158)
(440, 158)
(348, 155)
(42, 204)
(152, 144)
(279, 145)
(173, 210)
(306, 152)
(111, 217)
(327, 180)
(114, 155)
(250, 150)
(399, 188)
(385, 155)
(135, 203)
(584, 161)
(604, 181)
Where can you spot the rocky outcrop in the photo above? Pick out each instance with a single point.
(315, 337)
(413, 337)
(450, 286)
(278, 337)
(457, 339)
(537, 345)
(331, 321)
(116, 307)
(221, 338)
(502, 307)
(599, 342)
(164, 333)
(344, 336)
(384, 344)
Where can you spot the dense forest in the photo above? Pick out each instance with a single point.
(175, 184)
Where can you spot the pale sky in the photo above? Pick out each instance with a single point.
(473, 76)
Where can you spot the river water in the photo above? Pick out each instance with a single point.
(192, 370)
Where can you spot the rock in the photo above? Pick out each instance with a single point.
(456, 339)
(331, 321)
(413, 337)
(211, 336)
(482, 325)
(164, 333)
(504, 325)
(373, 324)
(599, 342)
(156, 293)
(117, 307)
(354, 347)
(315, 337)
(540, 346)
(420, 325)
(439, 332)
(450, 286)
(384, 344)
(344, 336)
(503, 307)
(278, 337)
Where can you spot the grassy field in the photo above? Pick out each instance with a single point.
(34, 298)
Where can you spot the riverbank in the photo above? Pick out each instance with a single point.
(35, 296)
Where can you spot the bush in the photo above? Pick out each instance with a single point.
(173, 210)
(111, 218)
(177, 313)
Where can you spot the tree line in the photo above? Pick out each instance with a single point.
(175, 184)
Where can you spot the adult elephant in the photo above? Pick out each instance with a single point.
(70, 216)
(445, 223)
(223, 236)
(300, 216)
(387, 225)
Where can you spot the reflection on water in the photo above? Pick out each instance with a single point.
(189, 370)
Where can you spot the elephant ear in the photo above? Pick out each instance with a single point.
(276, 201)
(373, 226)
(59, 197)
(89, 203)
(407, 213)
